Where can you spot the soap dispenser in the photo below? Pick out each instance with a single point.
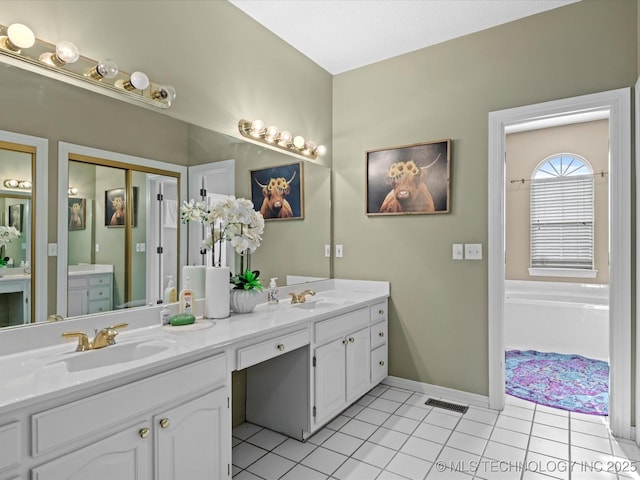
(273, 294)
(170, 293)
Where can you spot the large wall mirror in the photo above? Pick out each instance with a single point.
(156, 147)
(23, 196)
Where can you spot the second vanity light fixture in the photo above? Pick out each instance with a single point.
(63, 61)
(284, 140)
(20, 184)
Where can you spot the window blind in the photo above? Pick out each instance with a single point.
(562, 222)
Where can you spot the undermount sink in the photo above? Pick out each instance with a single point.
(321, 303)
(112, 355)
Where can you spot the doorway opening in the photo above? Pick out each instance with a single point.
(615, 106)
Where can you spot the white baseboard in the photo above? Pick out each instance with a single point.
(438, 392)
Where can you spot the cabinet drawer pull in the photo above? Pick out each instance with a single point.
(382, 363)
(381, 312)
(281, 346)
(164, 422)
(351, 339)
(143, 432)
(344, 342)
(381, 334)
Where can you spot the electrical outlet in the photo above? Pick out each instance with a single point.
(327, 251)
(97, 247)
(52, 249)
(141, 247)
(473, 251)
(457, 252)
(338, 251)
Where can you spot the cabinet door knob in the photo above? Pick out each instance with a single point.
(164, 422)
(380, 312)
(143, 432)
(382, 363)
(381, 334)
(351, 339)
(344, 342)
(281, 346)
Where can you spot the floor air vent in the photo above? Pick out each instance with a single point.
(447, 406)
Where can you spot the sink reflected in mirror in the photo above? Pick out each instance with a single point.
(112, 355)
(321, 303)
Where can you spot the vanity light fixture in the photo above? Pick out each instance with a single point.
(72, 191)
(284, 140)
(21, 48)
(21, 184)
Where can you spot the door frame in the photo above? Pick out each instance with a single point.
(617, 104)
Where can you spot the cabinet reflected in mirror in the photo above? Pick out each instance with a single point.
(20, 155)
(121, 228)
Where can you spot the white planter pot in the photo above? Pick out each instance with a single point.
(244, 301)
(216, 304)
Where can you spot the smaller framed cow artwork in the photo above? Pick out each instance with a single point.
(411, 179)
(278, 192)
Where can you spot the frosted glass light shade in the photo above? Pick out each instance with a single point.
(298, 142)
(321, 150)
(20, 36)
(107, 69)
(139, 80)
(67, 52)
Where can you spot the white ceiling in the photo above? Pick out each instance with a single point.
(340, 35)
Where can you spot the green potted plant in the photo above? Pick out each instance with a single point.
(245, 294)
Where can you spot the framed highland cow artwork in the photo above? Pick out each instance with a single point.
(278, 193)
(412, 179)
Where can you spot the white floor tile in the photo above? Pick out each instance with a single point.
(550, 419)
(358, 428)
(341, 443)
(467, 443)
(389, 438)
(510, 400)
(387, 475)
(235, 470)
(401, 424)
(378, 390)
(271, 466)
(551, 433)
(324, 460)
(457, 460)
(385, 405)
(474, 428)
(411, 411)
(266, 439)
(549, 466)
(300, 472)
(515, 424)
(371, 415)
(549, 448)
(338, 422)
(355, 470)
(321, 436)
(626, 449)
(409, 466)
(374, 454)
(423, 449)
(353, 410)
(518, 412)
(552, 411)
(245, 454)
(509, 437)
(436, 417)
(245, 430)
(591, 442)
(447, 474)
(294, 450)
(235, 441)
(418, 400)
(366, 400)
(592, 428)
(245, 475)
(397, 395)
(481, 415)
(504, 453)
(432, 432)
(590, 418)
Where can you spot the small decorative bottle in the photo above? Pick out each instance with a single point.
(273, 294)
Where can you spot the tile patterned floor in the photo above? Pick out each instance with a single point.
(390, 434)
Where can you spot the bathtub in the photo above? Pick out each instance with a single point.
(557, 317)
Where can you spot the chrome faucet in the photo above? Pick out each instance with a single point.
(103, 338)
(300, 297)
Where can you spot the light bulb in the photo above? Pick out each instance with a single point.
(73, 191)
(67, 52)
(105, 69)
(166, 92)
(310, 147)
(271, 134)
(298, 142)
(25, 184)
(284, 138)
(321, 150)
(257, 128)
(139, 80)
(11, 183)
(19, 36)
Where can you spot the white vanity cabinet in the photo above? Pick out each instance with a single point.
(90, 293)
(172, 425)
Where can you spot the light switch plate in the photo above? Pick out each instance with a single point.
(473, 251)
(327, 250)
(458, 252)
(338, 251)
(52, 249)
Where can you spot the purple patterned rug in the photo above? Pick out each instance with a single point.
(568, 382)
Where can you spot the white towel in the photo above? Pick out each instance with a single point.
(171, 213)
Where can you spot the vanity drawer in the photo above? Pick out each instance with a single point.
(93, 415)
(271, 348)
(336, 327)
(99, 293)
(10, 440)
(379, 367)
(98, 306)
(378, 334)
(100, 280)
(378, 312)
(78, 282)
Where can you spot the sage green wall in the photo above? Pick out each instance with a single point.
(438, 309)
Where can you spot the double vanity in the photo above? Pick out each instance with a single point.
(157, 404)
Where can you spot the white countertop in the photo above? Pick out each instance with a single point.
(39, 373)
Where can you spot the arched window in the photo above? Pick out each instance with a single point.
(562, 213)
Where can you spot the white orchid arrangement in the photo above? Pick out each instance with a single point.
(7, 234)
(232, 219)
